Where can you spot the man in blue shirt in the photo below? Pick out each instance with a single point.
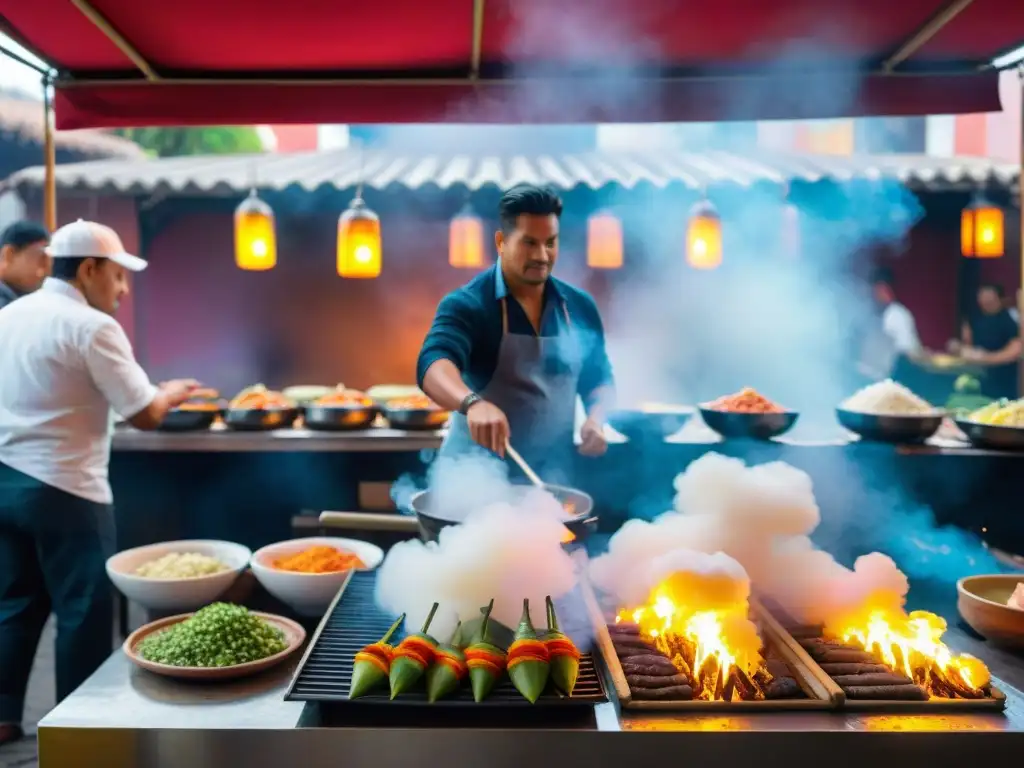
(510, 351)
(23, 259)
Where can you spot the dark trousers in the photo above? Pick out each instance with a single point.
(53, 551)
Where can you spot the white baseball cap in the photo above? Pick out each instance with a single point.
(89, 239)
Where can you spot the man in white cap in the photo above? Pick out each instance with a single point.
(66, 363)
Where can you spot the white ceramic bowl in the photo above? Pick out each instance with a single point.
(177, 594)
(308, 594)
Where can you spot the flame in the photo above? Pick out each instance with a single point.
(715, 645)
(912, 644)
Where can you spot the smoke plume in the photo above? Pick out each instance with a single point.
(507, 548)
(762, 517)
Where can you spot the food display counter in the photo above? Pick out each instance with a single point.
(126, 718)
(277, 441)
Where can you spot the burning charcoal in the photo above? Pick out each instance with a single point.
(747, 689)
(719, 693)
(634, 642)
(706, 676)
(783, 688)
(845, 656)
(801, 631)
(628, 651)
(730, 686)
(680, 663)
(853, 669)
(645, 681)
(675, 693)
(623, 628)
(877, 678)
(648, 665)
(887, 692)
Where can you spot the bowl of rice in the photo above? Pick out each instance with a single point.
(178, 575)
(888, 412)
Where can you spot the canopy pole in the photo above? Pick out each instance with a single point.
(49, 161)
(926, 32)
(478, 41)
(119, 40)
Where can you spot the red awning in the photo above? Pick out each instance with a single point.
(125, 62)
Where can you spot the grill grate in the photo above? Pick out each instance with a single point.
(325, 674)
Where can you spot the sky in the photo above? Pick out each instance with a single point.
(15, 76)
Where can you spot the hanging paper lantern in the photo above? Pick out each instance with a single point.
(359, 246)
(466, 240)
(255, 239)
(704, 237)
(790, 237)
(981, 230)
(604, 241)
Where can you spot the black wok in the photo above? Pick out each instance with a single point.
(580, 521)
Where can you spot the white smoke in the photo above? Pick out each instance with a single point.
(508, 547)
(762, 517)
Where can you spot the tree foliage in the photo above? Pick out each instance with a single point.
(177, 142)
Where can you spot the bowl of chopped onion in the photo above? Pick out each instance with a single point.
(178, 575)
(306, 574)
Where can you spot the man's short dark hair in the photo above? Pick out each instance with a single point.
(67, 268)
(996, 288)
(882, 275)
(529, 199)
(22, 234)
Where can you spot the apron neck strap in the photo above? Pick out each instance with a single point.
(504, 314)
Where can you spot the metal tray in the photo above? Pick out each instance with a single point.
(996, 701)
(354, 621)
(819, 696)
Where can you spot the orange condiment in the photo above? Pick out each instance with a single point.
(345, 398)
(319, 559)
(747, 400)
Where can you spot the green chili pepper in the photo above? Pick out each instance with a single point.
(448, 669)
(528, 666)
(373, 664)
(486, 661)
(412, 657)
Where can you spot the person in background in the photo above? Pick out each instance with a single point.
(894, 337)
(510, 351)
(992, 337)
(66, 363)
(24, 262)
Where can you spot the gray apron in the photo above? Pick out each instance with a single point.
(535, 383)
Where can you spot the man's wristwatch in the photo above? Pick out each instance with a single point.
(468, 402)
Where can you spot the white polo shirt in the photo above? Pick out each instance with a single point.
(63, 366)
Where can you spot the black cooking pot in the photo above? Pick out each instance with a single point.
(339, 417)
(581, 522)
(179, 420)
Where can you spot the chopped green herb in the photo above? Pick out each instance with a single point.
(219, 635)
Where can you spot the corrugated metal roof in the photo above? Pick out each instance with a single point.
(381, 169)
(25, 118)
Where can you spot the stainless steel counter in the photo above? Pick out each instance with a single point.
(126, 718)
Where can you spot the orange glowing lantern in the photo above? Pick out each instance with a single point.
(466, 240)
(255, 239)
(704, 237)
(359, 247)
(604, 241)
(981, 230)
